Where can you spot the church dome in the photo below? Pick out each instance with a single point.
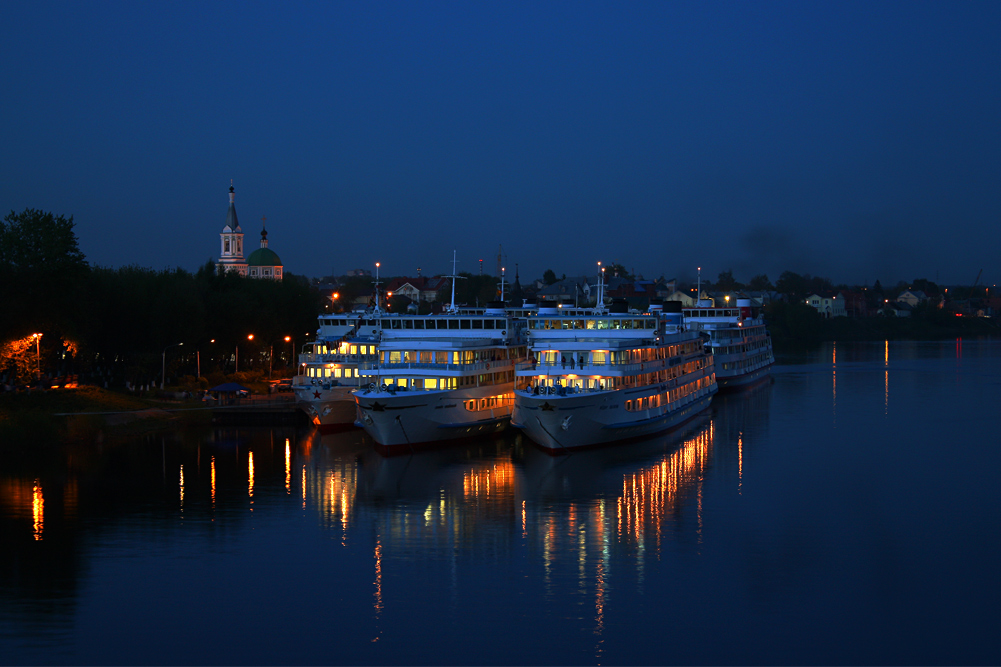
(264, 257)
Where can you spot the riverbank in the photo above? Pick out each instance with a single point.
(795, 326)
(86, 413)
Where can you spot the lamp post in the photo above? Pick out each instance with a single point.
(291, 348)
(38, 354)
(236, 368)
(163, 370)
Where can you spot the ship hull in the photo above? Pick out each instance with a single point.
(331, 409)
(406, 420)
(743, 380)
(561, 424)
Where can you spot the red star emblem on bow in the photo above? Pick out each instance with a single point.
(316, 394)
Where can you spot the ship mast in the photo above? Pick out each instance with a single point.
(600, 305)
(451, 308)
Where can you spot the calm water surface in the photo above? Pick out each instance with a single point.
(846, 512)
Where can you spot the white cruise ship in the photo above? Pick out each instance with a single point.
(328, 367)
(441, 377)
(597, 376)
(739, 342)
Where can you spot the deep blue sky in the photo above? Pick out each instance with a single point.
(857, 141)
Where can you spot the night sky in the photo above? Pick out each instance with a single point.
(856, 141)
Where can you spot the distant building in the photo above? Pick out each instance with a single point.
(912, 297)
(855, 304)
(262, 263)
(231, 240)
(418, 289)
(568, 290)
(897, 309)
(687, 301)
(828, 305)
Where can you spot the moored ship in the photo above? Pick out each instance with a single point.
(328, 367)
(441, 377)
(598, 376)
(739, 342)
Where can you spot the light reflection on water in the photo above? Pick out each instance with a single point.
(773, 519)
(37, 509)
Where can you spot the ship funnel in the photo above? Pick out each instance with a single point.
(745, 308)
(672, 313)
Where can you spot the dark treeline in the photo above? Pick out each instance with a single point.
(114, 324)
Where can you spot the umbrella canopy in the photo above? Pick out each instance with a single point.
(229, 387)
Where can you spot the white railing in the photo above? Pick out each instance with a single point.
(369, 367)
(595, 368)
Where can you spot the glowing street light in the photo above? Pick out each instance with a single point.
(163, 370)
(38, 354)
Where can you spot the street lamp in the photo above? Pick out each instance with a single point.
(236, 363)
(38, 354)
(291, 349)
(163, 370)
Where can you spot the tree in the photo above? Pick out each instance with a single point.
(726, 283)
(617, 270)
(793, 284)
(549, 277)
(41, 268)
(17, 358)
(760, 283)
(793, 323)
(35, 239)
(820, 285)
(926, 286)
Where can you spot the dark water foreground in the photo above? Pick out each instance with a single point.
(845, 513)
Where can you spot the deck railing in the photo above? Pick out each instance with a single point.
(368, 368)
(596, 368)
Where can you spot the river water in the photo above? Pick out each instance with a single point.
(845, 512)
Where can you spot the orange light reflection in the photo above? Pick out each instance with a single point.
(250, 478)
(213, 482)
(288, 468)
(37, 509)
